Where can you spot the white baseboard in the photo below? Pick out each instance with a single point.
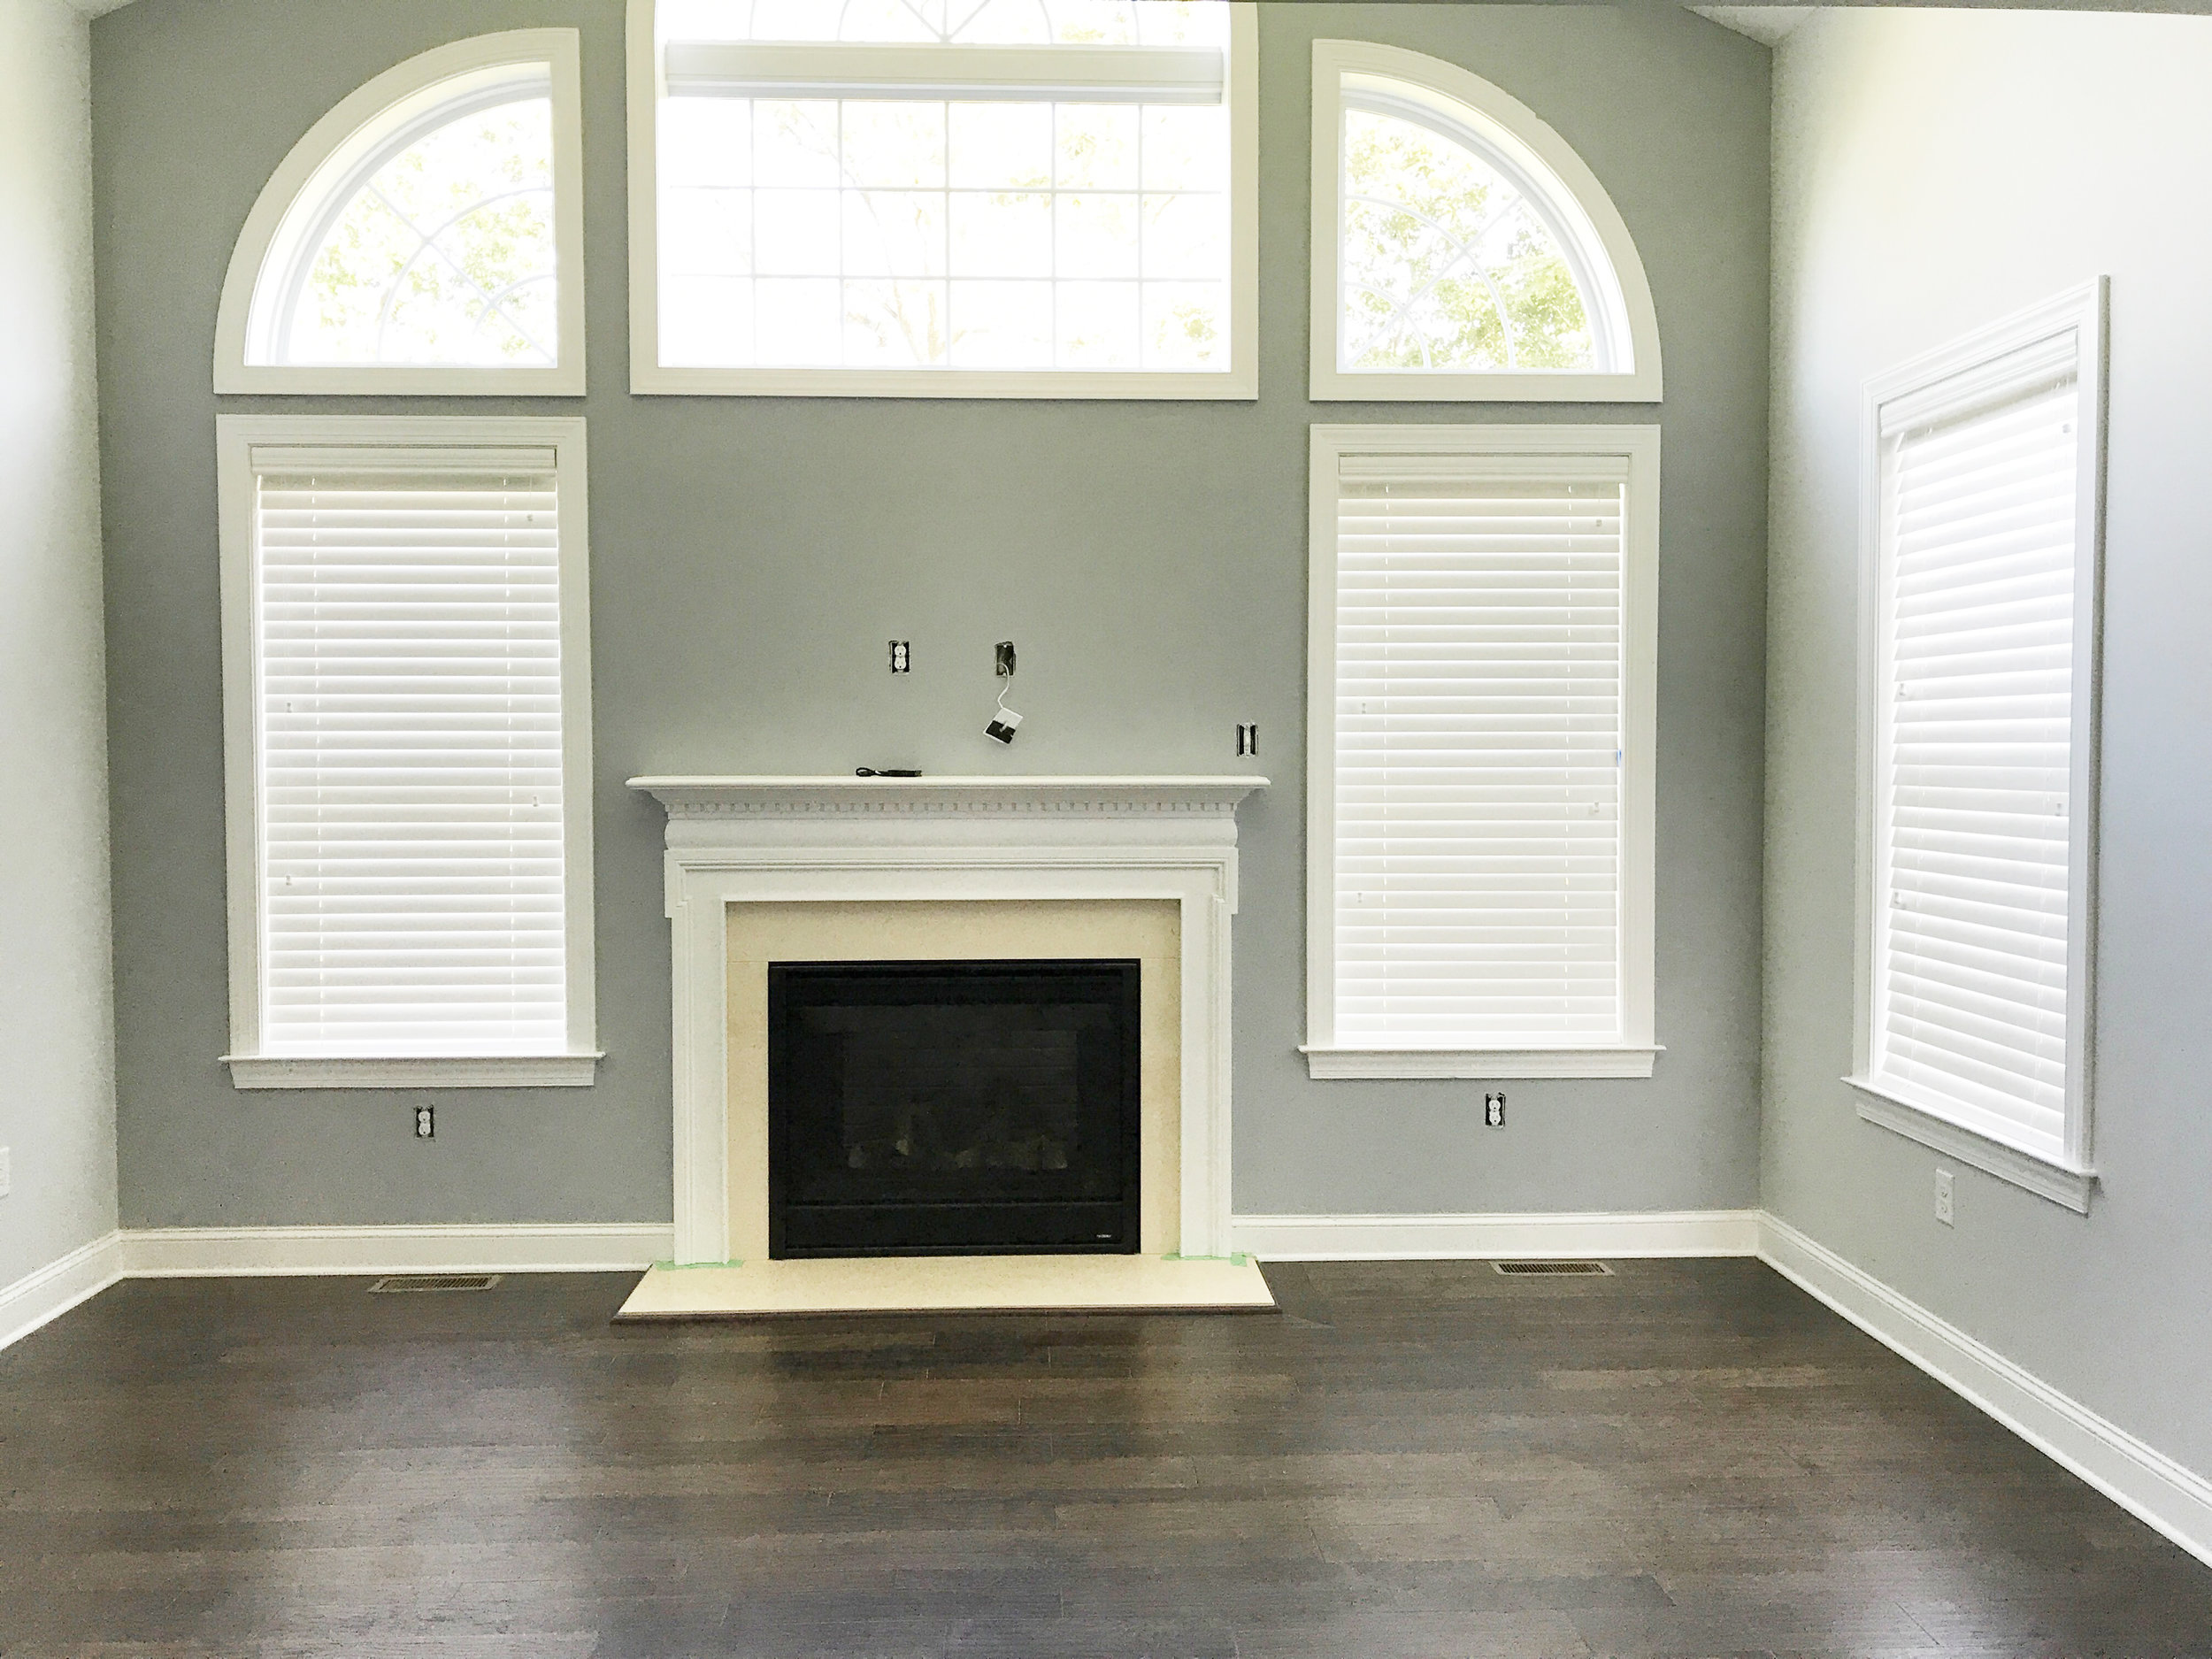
(204, 1252)
(57, 1287)
(2140, 1479)
(1496, 1237)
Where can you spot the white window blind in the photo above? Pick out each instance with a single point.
(1479, 669)
(1976, 765)
(409, 759)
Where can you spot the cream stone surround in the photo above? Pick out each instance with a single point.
(1071, 861)
(959, 930)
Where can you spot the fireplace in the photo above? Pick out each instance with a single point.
(935, 1108)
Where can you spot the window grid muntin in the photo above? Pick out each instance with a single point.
(519, 82)
(1370, 98)
(1145, 289)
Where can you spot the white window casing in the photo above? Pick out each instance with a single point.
(339, 156)
(956, 73)
(1527, 157)
(1981, 580)
(1480, 751)
(407, 738)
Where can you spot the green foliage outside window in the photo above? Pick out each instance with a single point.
(1446, 267)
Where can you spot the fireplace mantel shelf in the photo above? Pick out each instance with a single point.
(742, 796)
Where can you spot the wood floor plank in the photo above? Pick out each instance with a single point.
(1410, 1461)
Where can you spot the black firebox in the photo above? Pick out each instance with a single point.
(952, 1107)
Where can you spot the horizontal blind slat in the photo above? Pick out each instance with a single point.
(1976, 766)
(1478, 699)
(413, 857)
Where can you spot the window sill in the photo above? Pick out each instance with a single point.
(2068, 1187)
(1428, 386)
(369, 380)
(1489, 1065)
(500, 1071)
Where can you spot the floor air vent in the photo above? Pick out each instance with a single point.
(433, 1281)
(1548, 1268)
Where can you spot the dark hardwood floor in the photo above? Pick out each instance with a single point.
(1413, 1459)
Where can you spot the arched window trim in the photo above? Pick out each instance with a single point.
(1559, 187)
(318, 178)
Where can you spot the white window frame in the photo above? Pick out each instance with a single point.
(2014, 354)
(329, 158)
(1634, 1055)
(1240, 381)
(359, 439)
(1557, 179)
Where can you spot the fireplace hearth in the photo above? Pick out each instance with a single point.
(937, 1107)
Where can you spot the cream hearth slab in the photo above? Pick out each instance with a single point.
(952, 1284)
(744, 841)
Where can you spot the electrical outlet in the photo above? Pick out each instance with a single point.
(1248, 737)
(1943, 1196)
(426, 1123)
(1493, 1111)
(7, 1172)
(901, 657)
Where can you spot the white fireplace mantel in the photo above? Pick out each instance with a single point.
(754, 840)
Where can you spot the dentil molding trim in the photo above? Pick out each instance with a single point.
(711, 797)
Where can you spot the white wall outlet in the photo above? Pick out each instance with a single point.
(1943, 1196)
(7, 1172)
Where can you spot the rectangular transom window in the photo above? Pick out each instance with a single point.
(407, 691)
(1979, 803)
(1049, 198)
(1481, 791)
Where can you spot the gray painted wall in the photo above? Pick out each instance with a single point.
(58, 1099)
(750, 557)
(1934, 171)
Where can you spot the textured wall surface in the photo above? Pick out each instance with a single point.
(58, 1101)
(751, 557)
(1934, 172)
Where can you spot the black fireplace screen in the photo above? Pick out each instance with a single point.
(943, 1108)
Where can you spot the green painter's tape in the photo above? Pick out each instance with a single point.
(685, 1267)
(1236, 1259)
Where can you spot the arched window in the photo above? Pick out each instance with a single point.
(423, 236)
(1462, 250)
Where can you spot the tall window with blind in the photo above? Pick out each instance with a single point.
(407, 697)
(1481, 788)
(1980, 731)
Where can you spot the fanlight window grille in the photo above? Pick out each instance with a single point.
(442, 254)
(1448, 262)
(1013, 184)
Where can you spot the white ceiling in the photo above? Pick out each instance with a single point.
(1769, 24)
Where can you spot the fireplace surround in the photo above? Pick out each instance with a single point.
(872, 857)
